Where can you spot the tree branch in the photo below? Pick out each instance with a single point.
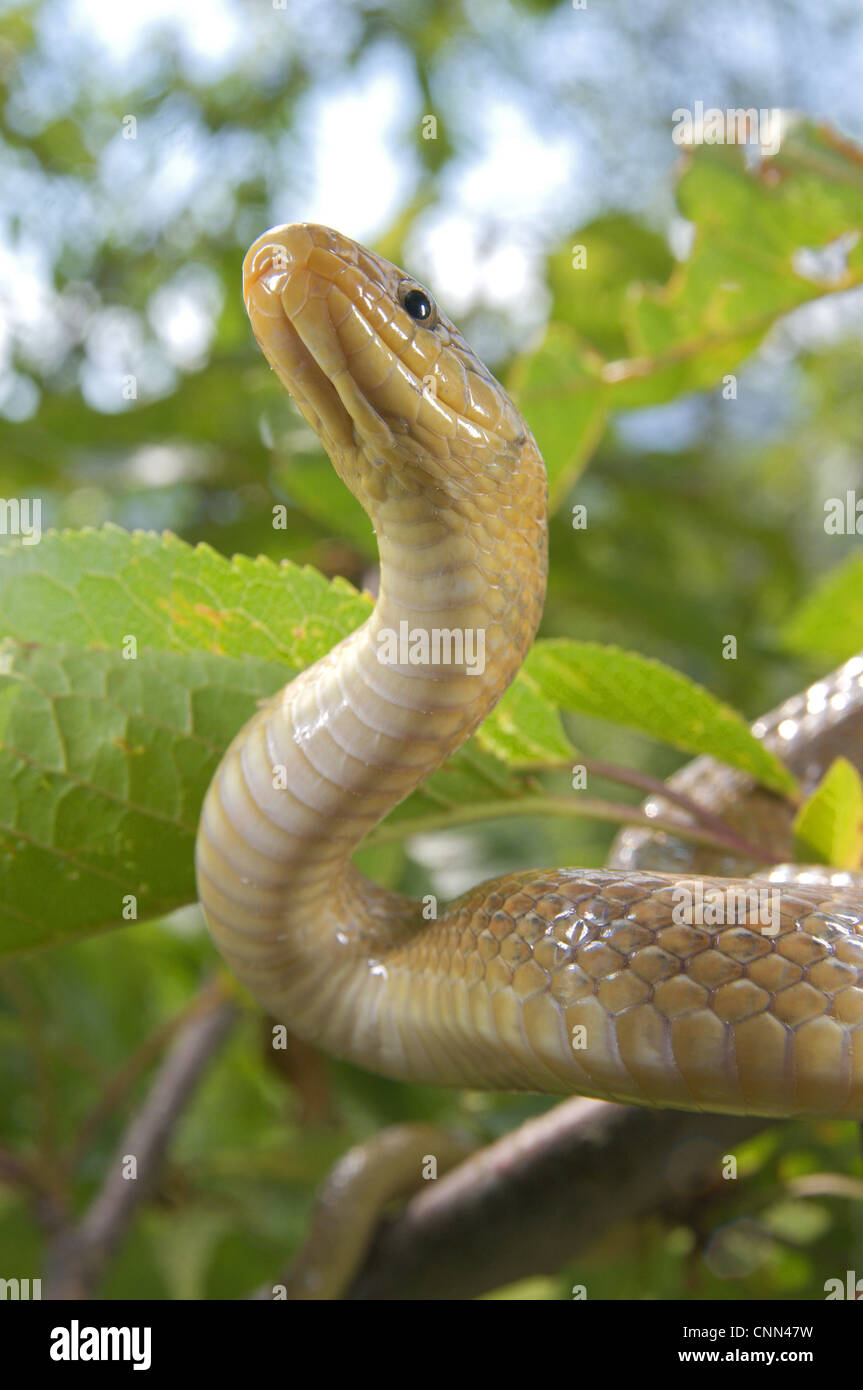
(79, 1257)
(117, 1084)
(537, 1198)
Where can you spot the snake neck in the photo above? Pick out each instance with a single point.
(461, 592)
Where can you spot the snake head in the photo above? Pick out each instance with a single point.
(397, 397)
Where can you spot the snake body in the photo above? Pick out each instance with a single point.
(566, 980)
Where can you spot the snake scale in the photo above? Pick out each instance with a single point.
(565, 980)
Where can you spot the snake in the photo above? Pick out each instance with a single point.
(584, 981)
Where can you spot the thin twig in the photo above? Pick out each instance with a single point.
(593, 808)
(628, 776)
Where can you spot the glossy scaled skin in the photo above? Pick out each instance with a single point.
(494, 992)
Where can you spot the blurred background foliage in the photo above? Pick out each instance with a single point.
(120, 262)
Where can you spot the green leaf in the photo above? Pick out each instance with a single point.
(94, 588)
(590, 292)
(618, 339)
(104, 761)
(745, 270)
(103, 765)
(829, 623)
(828, 828)
(566, 437)
(525, 729)
(644, 694)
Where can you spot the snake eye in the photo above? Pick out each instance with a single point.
(419, 304)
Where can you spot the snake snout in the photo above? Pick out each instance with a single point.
(269, 264)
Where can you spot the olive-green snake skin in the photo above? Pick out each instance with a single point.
(564, 980)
